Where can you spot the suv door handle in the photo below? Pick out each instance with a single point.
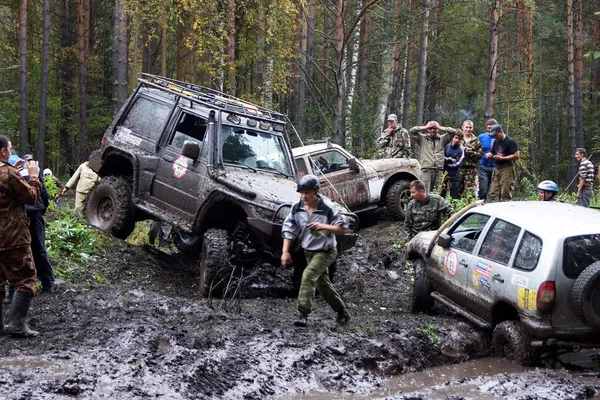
(498, 278)
(464, 263)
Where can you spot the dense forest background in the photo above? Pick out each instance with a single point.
(336, 67)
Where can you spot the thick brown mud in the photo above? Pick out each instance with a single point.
(149, 334)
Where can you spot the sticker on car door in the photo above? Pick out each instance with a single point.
(526, 299)
(452, 262)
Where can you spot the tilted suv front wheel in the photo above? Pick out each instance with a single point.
(585, 295)
(397, 198)
(187, 243)
(510, 341)
(215, 268)
(421, 293)
(109, 207)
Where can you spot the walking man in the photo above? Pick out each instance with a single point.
(84, 179)
(473, 153)
(16, 261)
(314, 222)
(394, 141)
(486, 165)
(425, 211)
(586, 178)
(504, 152)
(432, 147)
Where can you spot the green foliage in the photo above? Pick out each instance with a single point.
(430, 331)
(53, 189)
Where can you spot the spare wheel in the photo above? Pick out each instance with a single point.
(585, 296)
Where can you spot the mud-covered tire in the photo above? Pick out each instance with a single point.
(421, 292)
(214, 262)
(397, 198)
(585, 295)
(510, 341)
(187, 243)
(109, 207)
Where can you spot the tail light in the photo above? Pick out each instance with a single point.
(545, 297)
(102, 141)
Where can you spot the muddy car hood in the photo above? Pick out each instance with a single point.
(389, 165)
(271, 187)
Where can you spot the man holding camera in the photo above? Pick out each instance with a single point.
(473, 153)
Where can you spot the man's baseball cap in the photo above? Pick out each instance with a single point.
(495, 129)
(27, 157)
(392, 117)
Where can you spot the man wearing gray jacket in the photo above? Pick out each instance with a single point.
(432, 146)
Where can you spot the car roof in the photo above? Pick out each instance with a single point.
(312, 148)
(546, 218)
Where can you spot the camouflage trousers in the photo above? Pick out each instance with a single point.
(316, 276)
(17, 267)
(468, 176)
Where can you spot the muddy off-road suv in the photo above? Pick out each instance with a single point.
(528, 271)
(215, 167)
(361, 185)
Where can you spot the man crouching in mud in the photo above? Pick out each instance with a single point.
(314, 223)
(16, 260)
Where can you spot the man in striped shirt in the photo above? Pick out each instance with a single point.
(586, 178)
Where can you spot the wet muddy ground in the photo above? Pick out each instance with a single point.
(149, 334)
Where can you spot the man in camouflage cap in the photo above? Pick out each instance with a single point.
(16, 260)
(473, 153)
(425, 211)
(394, 141)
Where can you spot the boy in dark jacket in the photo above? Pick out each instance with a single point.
(454, 157)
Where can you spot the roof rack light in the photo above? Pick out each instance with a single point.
(265, 125)
(251, 122)
(234, 118)
(278, 128)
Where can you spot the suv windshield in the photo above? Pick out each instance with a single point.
(579, 253)
(254, 149)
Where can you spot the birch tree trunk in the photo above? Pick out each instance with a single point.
(493, 60)
(41, 139)
(422, 65)
(23, 77)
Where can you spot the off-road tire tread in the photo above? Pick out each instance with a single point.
(393, 197)
(421, 299)
(581, 294)
(513, 333)
(124, 223)
(214, 258)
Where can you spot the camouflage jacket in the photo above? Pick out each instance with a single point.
(395, 145)
(473, 153)
(426, 216)
(14, 194)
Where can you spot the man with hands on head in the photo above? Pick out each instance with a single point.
(432, 147)
(314, 222)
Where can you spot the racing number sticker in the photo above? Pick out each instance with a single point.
(452, 262)
(180, 166)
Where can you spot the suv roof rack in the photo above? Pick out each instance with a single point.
(210, 97)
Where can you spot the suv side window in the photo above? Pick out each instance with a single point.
(330, 161)
(189, 128)
(529, 252)
(499, 242)
(579, 253)
(301, 166)
(147, 118)
(466, 233)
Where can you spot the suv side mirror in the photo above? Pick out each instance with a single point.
(191, 150)
(444, 240)
(353, 165)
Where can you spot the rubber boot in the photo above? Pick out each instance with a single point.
(343, 318)
(302, 320)
(19, 308)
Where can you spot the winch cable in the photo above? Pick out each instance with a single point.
(314, 163)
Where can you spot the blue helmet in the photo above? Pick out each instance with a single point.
(308, 182)
(548, 186)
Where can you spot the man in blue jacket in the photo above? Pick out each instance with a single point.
(486, 167)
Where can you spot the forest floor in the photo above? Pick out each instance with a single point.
(147, 333)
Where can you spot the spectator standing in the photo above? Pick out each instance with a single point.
(504, 152)
(394, 142)
(586, 178)
(16, 261)
(486, 165)
(431, 155)
(314, 222)
(452, 165)
(425, 211)
(473, 153)
(84, 179)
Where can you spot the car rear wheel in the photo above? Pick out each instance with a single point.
(510, 341)
(109, 207)
(215, 268)
(397, 198)
(421, 293)
(585, 295)
(187, 243)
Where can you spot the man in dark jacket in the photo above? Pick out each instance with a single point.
(16, 261)
(454, 157)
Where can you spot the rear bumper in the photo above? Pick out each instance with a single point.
(542, 331)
